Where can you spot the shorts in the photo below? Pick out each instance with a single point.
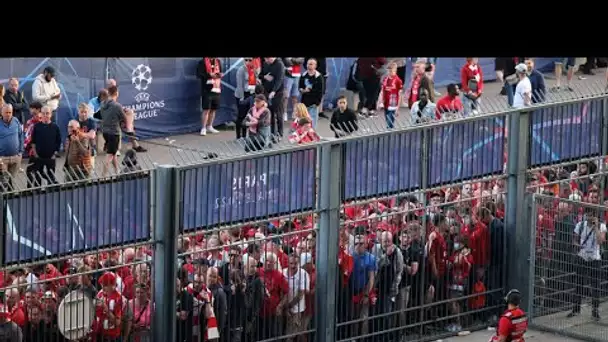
(112, 143)
(570, 61)
(211, 101)
(292, 86)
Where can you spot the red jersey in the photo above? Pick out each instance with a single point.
(480, 244)
(512, 324)
(468, 73)
(276, 287)
(101, 324)
(391, 88)
(460, 271)
(448, 104)
(437, 248)
(347, 265)
(17, 314)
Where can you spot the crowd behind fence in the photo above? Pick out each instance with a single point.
(402, 234)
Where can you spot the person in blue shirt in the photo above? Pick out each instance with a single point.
(11, 147)
(537, 79)
(362, 279)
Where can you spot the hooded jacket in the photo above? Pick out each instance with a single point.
(43, 90)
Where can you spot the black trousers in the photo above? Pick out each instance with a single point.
(241, 113)
(277, 107)
(38, 169)
(587, 272)
(372, 91)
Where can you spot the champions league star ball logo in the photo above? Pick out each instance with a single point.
(141, 77)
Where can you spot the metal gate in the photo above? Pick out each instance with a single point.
(568, 266)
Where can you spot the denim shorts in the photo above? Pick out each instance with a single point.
(291, 86)
(570, 61)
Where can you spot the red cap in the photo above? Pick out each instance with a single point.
(107, 279)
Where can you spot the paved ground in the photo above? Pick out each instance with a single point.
(531, 336)
(190, 148)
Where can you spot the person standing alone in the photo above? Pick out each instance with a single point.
(210, 73)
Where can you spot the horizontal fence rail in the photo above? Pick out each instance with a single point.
(381, 234)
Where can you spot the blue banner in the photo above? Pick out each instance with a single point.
(568, 131)
(382, 165)
(70, 220)
(466, 150)
(247, 189)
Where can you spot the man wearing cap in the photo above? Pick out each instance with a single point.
(523, 90)
(46, 91)
(108, 310)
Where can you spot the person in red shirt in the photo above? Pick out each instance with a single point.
(471, 78)
(391, 90)
(276, 291)
(449, 105)
(513, 323)
(480, 241)
(436, 249)
(462, 263)
(108, 310)
(16, 307)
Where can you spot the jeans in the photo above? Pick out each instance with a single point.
(469, 105)
(259, 140)
(277, 109)
(242, 108)
(390, 118)
(588, 272)
(372, 91)
(510, 89)
(313, 111)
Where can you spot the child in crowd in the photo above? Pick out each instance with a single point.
(391, 89)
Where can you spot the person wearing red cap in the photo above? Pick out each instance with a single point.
(108, 311)
(8, 329)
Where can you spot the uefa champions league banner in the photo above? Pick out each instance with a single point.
(65, 221)
(382, 165)
(467, 150)
(233, 191)
(566, 132)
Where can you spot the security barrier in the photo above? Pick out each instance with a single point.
(413, 233)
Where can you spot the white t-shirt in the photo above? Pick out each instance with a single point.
(523, 87)
(590, 249)
(297, 283)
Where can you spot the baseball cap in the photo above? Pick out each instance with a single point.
(521, 67)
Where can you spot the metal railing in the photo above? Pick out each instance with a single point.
(341, 203)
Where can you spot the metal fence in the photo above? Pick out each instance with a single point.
(399, 234)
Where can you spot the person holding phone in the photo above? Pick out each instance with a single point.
(589, 235)
(46, 91)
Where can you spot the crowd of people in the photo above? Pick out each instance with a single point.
(257, 282)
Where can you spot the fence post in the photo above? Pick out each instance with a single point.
(517, 258)
(604, 134)
(330, 195)
(2, 230)
(165, 238)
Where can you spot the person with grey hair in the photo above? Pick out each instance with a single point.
(78, 153)
(45, 143)
(11, 147)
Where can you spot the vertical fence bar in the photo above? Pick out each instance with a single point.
(531, 217)
(165, 238)
(330, 196)
(517, 233)
(603, 146)
(2, 230)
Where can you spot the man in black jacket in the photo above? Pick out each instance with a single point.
(273, 75)
(311, 86)
(15, 98)
(46, 141)
(322, 68)
(344, 120)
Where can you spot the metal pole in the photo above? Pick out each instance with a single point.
(330, 197)
(165, 237)
(107, 73)
(2, 230)
(517, 233)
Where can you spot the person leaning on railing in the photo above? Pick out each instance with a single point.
(343, 120)
(78, 163)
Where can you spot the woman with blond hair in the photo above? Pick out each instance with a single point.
(300, 112)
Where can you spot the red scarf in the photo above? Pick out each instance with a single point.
(213, 67)
(254, 117)
(251, 79)
(413, 91)
(211, 331)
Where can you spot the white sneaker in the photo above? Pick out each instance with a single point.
(210, 129)
(284, 116)
(203, 131)
(117, 153)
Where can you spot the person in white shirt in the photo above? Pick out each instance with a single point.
(46, 91)
(299, 284)
(422, 110)
(588, 238)
(523, 90)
